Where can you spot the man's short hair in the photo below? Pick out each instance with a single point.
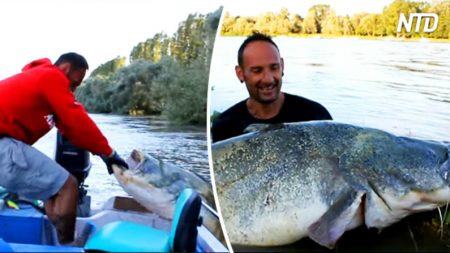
(256, 36)
(77, 61)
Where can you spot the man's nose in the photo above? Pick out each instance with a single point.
(268, 77)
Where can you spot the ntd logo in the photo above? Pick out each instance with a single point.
(426, 16)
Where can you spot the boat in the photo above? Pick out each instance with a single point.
(121, 225)
(27, 229)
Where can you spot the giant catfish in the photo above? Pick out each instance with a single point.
(156, 185)
(322, 178)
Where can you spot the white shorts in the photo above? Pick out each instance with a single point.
(27, 172)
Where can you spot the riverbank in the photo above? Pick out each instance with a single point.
(357, 37)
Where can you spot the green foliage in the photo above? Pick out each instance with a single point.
(184, 90)
(321, 19)
(166, 75)
(109, 67)
(124, 91)
(152, 49)
(442, 9)
(95, 94)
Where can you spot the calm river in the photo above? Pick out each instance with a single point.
(400, 87)
(183, 146)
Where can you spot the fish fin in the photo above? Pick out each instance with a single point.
(340, 217)
(375, 190)
(262, 127)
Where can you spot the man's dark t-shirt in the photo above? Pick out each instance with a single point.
(233, 121)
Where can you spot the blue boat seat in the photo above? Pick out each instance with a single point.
(4, 246)
(124, 236)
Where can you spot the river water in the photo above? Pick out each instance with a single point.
(183, 146)
(400, 87)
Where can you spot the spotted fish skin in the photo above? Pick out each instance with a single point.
(156, 185)
(322, 178)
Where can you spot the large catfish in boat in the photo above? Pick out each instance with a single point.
(156, 185)
(319, 179)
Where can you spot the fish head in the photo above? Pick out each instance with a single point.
(420, 184)
(151, 170)
(143, 164)
(159, 174)
(151, 165)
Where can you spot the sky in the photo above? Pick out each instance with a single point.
(104, 29)
(100, 30)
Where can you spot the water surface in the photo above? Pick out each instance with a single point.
(183, 146)
(400, 87)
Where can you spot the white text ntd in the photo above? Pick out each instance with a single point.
(419, 16)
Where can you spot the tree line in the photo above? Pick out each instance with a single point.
(322, 19)
(166, 75)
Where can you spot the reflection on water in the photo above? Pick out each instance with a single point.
(183, 146)
(400, 87)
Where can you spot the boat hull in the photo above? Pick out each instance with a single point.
(28, 230)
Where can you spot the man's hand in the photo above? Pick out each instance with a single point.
(114, 158)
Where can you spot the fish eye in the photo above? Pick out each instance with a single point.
(445, 167)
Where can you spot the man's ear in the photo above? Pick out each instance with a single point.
(282, 66)
(239, 73)
(65, 67)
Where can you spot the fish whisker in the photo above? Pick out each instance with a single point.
(441, 227)
(444, 218)
(412, 238)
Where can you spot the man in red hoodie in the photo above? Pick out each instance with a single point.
(31, 103)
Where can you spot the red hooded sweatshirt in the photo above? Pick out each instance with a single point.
(32, 102)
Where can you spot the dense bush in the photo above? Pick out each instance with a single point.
(166, 75)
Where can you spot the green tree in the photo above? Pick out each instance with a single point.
(266, 23)
(152, 49)
(356, 23)
(297, 24)
(442, 9)
(311, 23)
(391, 15)
(183, 89)
(109, 67)
(244, 26)
(347, 26)
(95, 93)
(283, 22)
(166, 75)
(321, 19)
(331, 24)
(314, 18)
(228, 24)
